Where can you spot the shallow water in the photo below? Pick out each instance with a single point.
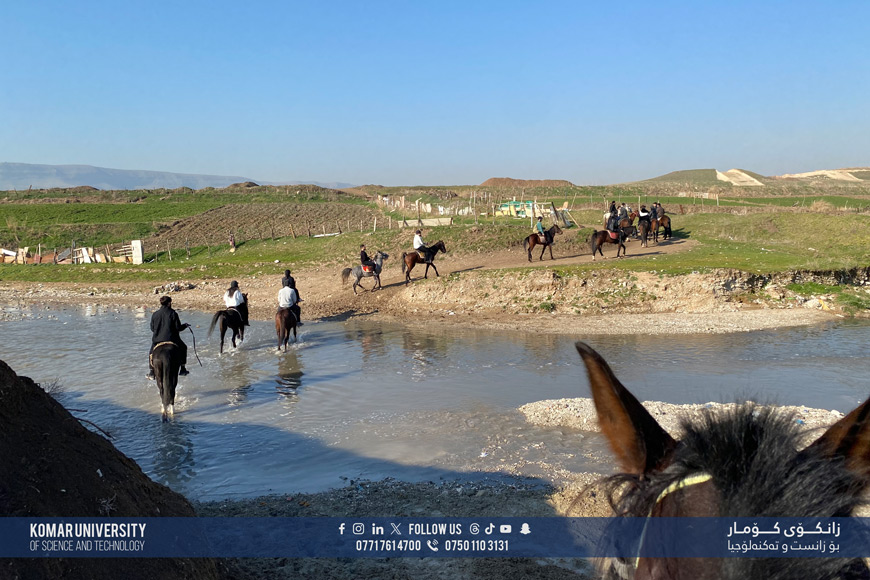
(361, 399)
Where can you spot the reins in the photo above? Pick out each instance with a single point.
(675, 486)
(194, 345)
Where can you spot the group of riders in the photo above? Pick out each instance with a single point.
(623, 211)
(167, 327)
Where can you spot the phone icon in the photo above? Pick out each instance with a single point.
(433, 545)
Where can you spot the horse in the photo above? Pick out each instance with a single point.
(744, 462)
(530, 241)
(359, 273)
(229, 318)
(166, 361)
(663, 222)
(409, 260)
(627, 222)
(599, 238)
(644, 226)
(285, 321)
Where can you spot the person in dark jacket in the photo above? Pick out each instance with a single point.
(288, 278)
(364, 257)
(165, 327)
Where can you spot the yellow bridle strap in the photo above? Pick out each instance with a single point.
(676, 486)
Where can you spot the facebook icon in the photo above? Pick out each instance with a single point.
(341, 528)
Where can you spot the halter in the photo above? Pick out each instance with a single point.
(675, 486)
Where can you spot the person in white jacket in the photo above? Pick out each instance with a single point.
(234, 298)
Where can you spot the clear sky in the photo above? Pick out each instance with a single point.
(438, 93)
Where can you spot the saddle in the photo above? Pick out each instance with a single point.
(613, 235)
(367, 268)
(542, 239)
(156, 346)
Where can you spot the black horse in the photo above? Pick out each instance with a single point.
(285, 321)
(643, 226)
(749, 461)
(166, 359)
(229, 318)
(411, 259)
(534, 240)
(359, 273)
(599, 238)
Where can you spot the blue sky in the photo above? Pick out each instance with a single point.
(408, 93)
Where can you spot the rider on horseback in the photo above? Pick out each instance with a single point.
(165, 327)
(539, 229)
(365, 260)
(420, 246)
(623, 212)
(289, 298)
(234, 299)
(643, 214)
(613, 222)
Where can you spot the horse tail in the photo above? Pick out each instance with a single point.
(592, 240)
(526, 243)
(345, 274)
(404, 264)
(214, 320)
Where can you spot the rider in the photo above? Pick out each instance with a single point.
(165, 327)
(612, 209)
(653, 211)
(420, 245)
(289, 298)
(623, 212)
(234, 298)
(613, 222)
(364, 258)
(539, 229)
(660, 211)
(292, 280)
(643, 214)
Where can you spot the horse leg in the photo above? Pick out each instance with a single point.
(426, 273)
(531, 245)
(377, 285)
(223, 333)
(551, 251)
(408, 271)
(436, 270)
(543, 249)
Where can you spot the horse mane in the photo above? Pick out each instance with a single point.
(753, 455)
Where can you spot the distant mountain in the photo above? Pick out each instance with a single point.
(20, 176)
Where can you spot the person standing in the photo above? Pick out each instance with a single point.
(233, 298)
(166, 327)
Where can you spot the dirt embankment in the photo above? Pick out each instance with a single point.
(52, 466)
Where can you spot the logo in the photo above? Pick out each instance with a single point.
(433, 545)
(396, 529)
(341, 528)
(505, 528)
(358, 529)
(474, 528)
(525, 529)
(489, 529)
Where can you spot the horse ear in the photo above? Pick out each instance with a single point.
(849, 438)
(636, 438)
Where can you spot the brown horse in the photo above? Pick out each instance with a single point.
(749, 461)
(229, 319)
(531, 241)
(285, 321)
(643, 227)
(662, 222)
(411, 259)
(599, 238)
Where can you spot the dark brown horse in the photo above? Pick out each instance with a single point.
(534, 239)
(229, 319)
(599, 238)
(643, 232)
(411, 259)
(166, 359)
(285, 321)
(749, 461)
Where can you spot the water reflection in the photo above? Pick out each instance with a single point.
(174, 458)
(290, 375)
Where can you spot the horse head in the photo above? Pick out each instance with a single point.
(439, 245)
(744, 462)
(556, 229)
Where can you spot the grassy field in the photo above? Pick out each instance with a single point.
(817, 231)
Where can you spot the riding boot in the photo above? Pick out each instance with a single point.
(183, 371)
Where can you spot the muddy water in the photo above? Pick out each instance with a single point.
(359, 399)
